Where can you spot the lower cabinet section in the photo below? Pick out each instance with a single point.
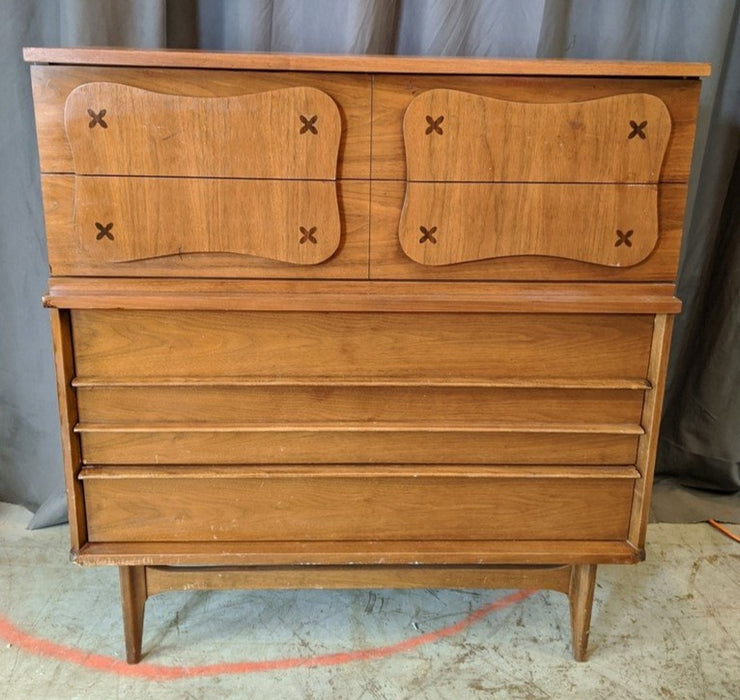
(171, 504)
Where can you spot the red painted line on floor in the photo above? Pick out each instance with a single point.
(12, 634)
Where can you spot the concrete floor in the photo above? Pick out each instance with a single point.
(668, 628)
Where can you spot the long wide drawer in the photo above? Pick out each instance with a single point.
(424, 346)
(173, 505)
(363, 444)
(202, 403)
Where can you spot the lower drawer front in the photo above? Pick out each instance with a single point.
(175, 506)
(213, 446)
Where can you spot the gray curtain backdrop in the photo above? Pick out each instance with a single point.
(701, 427)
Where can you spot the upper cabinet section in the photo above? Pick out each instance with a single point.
(454, 136)
(197, 173)
(117, 129)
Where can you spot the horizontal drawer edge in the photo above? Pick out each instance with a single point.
(360, 472)
(360, 295)
(417, 553)
(577, 428)
(547, 383)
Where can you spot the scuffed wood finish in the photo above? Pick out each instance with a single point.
(330, 296)
(362, 64)
(133, 597)
(392, 95)
(389, 261)
(328, 446)
(647, 446)
(421, 552)
(206, 404)
(116, 129)
(345, 345)
(164, 578)
(64, 365)
(130, 219)
(52, 86)
(159, 216)
(581, 596)
(456, 136)
(335, 508)
(448, 223)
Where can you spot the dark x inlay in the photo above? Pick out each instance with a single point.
(97, 118)
(623, 237)
(434, 125)
(308, 234)
(637, 129)
(104, 231)
(308, 124)
(428, 234)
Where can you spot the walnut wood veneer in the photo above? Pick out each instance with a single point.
(360, 322)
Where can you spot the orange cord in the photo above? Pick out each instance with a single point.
(724, 530)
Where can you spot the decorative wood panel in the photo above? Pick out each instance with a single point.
(450, 135)
(392, 95)
(122, 219)
(178, 508)
(389, 261)
(53, 84)
(116, 129)
(83, 254)
(447, 223)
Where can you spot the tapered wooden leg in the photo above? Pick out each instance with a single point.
(133, 597)
(581, 596)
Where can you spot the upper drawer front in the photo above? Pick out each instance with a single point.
(529, 178)
(116, 129)
(53, 86)
(185, 172)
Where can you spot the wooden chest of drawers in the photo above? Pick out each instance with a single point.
(322, 321)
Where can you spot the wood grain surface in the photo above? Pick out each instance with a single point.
(116, 129)
(344, 345)
(52, 85)
(130, 219)
(378, 295)
(304, 405)
(392, 95)
(456, 136)
(363, 64)
(389, 261)
(196, 227)
(351, 509)
(444, 223)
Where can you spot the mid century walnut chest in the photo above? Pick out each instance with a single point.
(360, 321)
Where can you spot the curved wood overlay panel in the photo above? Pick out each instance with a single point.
(458, 136)
(116, 129)
(121, 219)
(447, 223)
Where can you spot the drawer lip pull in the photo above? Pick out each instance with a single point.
(360, 427)
(634, 384)
(351, 471)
